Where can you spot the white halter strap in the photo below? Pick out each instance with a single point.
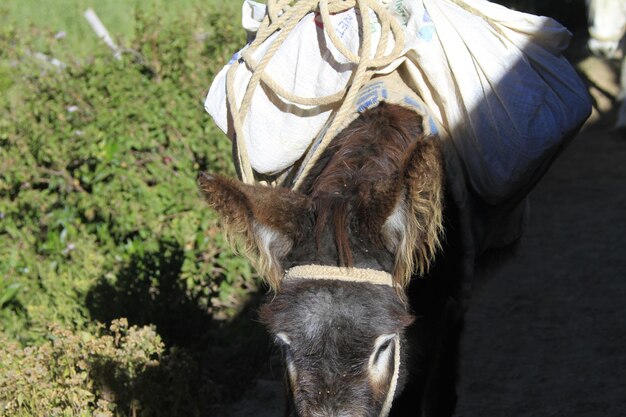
(384, 412)
(324, 272)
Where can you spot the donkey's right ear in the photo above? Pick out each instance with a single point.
(270, 220)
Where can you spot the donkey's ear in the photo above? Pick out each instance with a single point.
(413, 229)
(269, 220)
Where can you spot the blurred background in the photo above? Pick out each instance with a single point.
(119, 296)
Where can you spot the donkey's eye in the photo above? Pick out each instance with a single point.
(381, 357)
(285, 344)
(282, 339)
(382, 349)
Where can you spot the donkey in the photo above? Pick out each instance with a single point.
(359, 336)
(607, 27)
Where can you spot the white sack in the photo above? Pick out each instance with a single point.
(277, 132)
(500, 85)
(494, 78)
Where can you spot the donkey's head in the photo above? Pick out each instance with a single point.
(367, 218)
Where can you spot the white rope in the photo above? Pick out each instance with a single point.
(325, 272)
(394, 380)
(281, 18)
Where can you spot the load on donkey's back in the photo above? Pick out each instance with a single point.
(491, 81)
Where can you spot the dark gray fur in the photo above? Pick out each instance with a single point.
(333, 327)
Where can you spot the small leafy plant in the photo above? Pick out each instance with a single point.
(81, 374)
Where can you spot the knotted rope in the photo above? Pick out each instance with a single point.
(281, 18)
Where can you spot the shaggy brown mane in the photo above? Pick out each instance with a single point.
(378, 185)
(358, 182)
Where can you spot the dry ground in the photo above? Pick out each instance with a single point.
(546, 334)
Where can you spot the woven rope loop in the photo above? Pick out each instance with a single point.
(281, 18)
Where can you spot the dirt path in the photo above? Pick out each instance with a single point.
(546, 333)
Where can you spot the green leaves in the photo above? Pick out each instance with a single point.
(8, 292)
(100, 218)
(99, 165)
(78, 374)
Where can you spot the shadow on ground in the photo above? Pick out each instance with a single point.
(219, 359)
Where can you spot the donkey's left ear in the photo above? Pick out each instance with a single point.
(415, 228)
(270, 220)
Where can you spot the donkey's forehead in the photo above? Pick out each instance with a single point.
(340, 312)
(331, 317)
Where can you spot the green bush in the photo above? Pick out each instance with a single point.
(100, 218)
(98, 167)
(123, 373)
